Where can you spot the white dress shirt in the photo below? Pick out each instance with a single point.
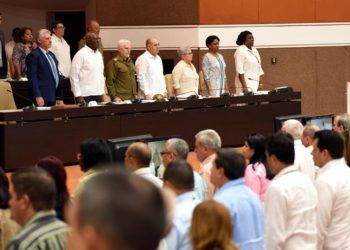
(150, 76)
(205, 172)
(248, 62)
(303, 160)
(185, 78)
(61, 50)
(333, 212)
(86, 73)
(146, 173)
(290, 212)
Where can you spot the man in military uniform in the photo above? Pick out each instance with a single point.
(120, 74)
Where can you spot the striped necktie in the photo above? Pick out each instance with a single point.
(53, 67)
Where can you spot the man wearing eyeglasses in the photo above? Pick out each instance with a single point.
(60, 48)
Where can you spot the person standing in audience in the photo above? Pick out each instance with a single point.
(245, 208)
(120, 74)
(291, 199)
(42, 71)
(177, 149)
(92, 27)
(333, 187)
(248, 64)
(3, 59)
(61, 48)
(117, 211)
(9, 50)
(138, 157)
(341, 123)
(86, 74)
(185, 75)
(257, 174)
(211, 227)
(149, 69)
(33, 195)
(21, 50)
(303, 159)
(307, 137)
(214, 68)
(207, 143)
(178, 176)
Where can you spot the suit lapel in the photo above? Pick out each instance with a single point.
(44, 58)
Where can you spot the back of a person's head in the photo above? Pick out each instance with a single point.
(310, 130)
(331, 141)
(37, 184)
(294, 128)
(141, 153)
(179, 147)
(211, 227)
(343, 121)
(126, 211)
(257, 142)
(209, 138)
(282, 146)
(180, 174)
(4, 190)
(232, 162)
(95, 153)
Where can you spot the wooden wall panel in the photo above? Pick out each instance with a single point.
(330, 11)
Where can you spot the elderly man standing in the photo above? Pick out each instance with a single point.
(86, 74)
(149, 68)
(120, 74)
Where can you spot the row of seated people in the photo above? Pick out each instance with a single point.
(288, 191)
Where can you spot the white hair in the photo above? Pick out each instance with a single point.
(209, 138)
(121, 42)
(182, 50)
(293, 127)
(41, 33)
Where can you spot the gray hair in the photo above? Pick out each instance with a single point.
(310, 130)
(41, 33)
(182, 50)
(293, 127)
(179, 147)
(121, 42)
(343, 121)
(209, 138)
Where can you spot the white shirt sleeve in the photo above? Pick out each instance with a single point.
(76, 66)
(177, 73)
(239, 61)
(142, 75)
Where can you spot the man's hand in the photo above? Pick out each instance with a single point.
(39, 101)
(117, 99)
(149, 97)
(80, 100)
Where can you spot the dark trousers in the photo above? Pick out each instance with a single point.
(96, 98)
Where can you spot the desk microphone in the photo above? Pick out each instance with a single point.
(250, 90)
(194, 95)
(31, 107)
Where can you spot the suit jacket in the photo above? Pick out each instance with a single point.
(40, 76)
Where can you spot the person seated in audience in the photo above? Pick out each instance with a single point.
(9, 50)
(137, 159)
(32, 202)
(149, 69)
(257, 174)
(207, 143)
(117, 211)
(55, 168)
(341, 123)
(185, 75)
(291, 199)
(8, 227)
(120, 74)
(211, 227)
(333, 187)
(245, 208)
(92, 27)
(303, 159)
(176, 149)
(307, 137)
(95, 156)
(178, 176)
(21, 50)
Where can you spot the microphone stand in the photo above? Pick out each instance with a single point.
(31, 107)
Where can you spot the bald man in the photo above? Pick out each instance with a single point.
(92, 27)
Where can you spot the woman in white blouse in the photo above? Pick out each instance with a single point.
(248, 64)
(185, 76)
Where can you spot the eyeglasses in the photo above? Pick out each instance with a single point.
(61, 27)
(164, 153)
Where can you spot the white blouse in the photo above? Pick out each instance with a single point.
(185, 78)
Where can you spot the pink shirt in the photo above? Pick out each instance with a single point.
(256, 179)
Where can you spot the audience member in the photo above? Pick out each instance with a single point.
(185, 75)
(303, 159)
(176, 149)
(207, 143)
(21, 50)
(138, 157)
(341, 123)
(333, 187)
(3, 59)
(120, 74)
(92, 27)
(117, 211)
(86, 74)
(95, 156)
(211, 227)
(307, 137)
(149, 69)
(245, 208)
(291, 199)
(257, 174)
(178, 176)
(8, 227)
(33, 195)
(9, 50)
(61, 48)
(55, 168)
(42, 71)
(214, 68)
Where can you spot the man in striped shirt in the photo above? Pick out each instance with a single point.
(33, 195)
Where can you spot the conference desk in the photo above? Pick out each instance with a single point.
(26, 136)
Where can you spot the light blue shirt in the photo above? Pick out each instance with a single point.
(179, 238)
(199, 186)
(246, 213)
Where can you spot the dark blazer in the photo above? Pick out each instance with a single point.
(40, 76)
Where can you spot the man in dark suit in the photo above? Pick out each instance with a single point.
(42, 71)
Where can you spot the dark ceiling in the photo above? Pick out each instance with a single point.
(48, 4)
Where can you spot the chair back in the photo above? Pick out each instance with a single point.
(6, 98)
(169, 84)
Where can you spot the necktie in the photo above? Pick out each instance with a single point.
(53, 68)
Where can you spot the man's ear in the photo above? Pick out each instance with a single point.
(24, 201)
(91, 238)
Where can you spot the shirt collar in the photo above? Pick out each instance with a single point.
(121, 59)
(40, 214)
(191, 195)
(142, 171)
(42, 50)
(230, 184)
(285, 171)
(56, 37)
(330, 164)
(90, 49)
(208, 160)
(150, 55)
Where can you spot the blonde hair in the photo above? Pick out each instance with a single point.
(211, 227)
